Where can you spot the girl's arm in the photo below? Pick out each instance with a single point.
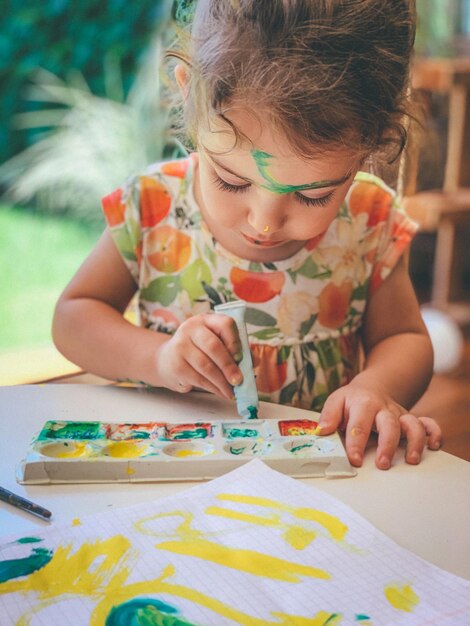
(90, 330)
(397, 370)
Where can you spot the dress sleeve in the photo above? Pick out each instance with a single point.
(123, 216)
(397, 234)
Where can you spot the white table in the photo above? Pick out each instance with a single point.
(424, 508)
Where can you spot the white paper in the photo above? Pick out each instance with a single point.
(253, 547)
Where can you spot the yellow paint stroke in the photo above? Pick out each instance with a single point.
(160, 586)
(130, 471)
(331, 523)
(76, 521)
(184, 530)
(248, 561)
(87, 571)
(401, 597)
(296, 536)
(125, 449)
(94, 569)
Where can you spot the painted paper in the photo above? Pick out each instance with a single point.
(252, 548)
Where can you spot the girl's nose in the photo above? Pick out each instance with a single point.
(267, 214)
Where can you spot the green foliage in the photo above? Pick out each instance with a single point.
(38, 256)
(92, 144)
(61, 35)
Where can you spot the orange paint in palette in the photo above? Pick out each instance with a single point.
(82, 451)
(295, 428)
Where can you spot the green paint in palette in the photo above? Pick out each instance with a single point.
(72, 430)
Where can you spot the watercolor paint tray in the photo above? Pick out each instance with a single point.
(97, 452)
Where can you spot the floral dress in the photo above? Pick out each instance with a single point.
(304, 314)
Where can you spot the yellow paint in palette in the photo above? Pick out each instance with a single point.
(185, 452)
(66, 450)
(127, 449)
(401, 597)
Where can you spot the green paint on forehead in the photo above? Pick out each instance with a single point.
(262, 160)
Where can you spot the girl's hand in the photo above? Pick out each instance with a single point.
(202, 353)
(357, 409)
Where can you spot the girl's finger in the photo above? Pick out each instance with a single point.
(361, 418)
(213, 361)
(433, 432)
(226, 330)
(415, 434)
(388, 428)
(332, 414)
(205, 373)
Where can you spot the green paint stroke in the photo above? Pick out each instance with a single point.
(236, 450)
(362, 618)
(145, 612)
(29, 540)
(262, 160)
(301, 447)
(16, 568)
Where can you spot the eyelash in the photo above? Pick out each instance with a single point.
(225, 186)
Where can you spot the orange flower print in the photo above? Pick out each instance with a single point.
(114, 208)
(366, 197)
(155, 201)
(270, 375)
(168, 249)
(334, 301)
(176, 168)
(256, 286)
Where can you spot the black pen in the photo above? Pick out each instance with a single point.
(23, 504)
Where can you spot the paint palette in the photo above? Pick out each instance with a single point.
(82, 452)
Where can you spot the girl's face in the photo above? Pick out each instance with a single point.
(262, 202)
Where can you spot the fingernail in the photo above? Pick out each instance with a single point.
(384, 463)
(236, 380)
(436, 445)
(413, 457)
(356, 458)
(238, 357)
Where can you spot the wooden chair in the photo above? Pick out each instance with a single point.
(446, 211)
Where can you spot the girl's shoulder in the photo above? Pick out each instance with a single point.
(152, 195)
(371, 196)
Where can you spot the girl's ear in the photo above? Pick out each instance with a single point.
(182, 78)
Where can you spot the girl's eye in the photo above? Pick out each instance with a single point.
(323, 201)
(225, 186)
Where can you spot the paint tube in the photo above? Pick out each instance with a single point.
(246, 394)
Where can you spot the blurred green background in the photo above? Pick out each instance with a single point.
(82, 107)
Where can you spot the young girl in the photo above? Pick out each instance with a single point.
(285, 101)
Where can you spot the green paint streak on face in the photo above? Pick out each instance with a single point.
(15, 568)
(145, 612)
(262, 160)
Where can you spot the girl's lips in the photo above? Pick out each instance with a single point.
(265, 243)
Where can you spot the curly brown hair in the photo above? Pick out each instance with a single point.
(326, 72)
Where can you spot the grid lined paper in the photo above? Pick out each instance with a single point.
(253, 547)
